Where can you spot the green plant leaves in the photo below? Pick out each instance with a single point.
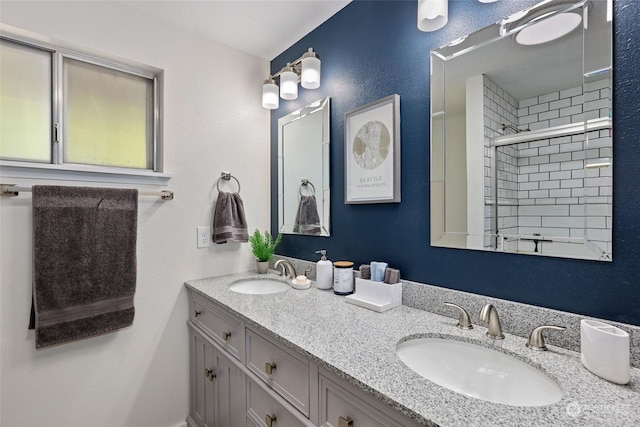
(263, 246)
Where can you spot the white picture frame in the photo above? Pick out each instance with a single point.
(372, 152)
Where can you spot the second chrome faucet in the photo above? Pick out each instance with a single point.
(489, 316)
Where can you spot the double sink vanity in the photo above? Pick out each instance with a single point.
(521, 153)
(264, 353)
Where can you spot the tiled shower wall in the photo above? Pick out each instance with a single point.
(542, 185)
(500, 108)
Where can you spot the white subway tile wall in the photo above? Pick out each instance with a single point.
(500, 109)
(543, 186)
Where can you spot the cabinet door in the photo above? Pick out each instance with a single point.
(202, 396)
(217, 386)
(342, 405)
(230, 407)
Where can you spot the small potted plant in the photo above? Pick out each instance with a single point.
(263, 247)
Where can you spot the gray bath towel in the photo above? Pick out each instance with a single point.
(307, 218)
(84, 274)
(229, 222)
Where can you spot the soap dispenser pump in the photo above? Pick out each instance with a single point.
(324, 271)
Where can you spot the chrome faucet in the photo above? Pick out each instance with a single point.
(286, 269)
(489, 315)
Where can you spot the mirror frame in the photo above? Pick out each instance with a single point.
(323, 188)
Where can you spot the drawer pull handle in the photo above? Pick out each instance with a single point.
(226, 336)
(269, 420)
(210, 374)
(345, 422)
(197, 313)
(269, 367)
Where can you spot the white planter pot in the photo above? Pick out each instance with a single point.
(263, 266)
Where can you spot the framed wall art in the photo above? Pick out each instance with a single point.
(372, 152)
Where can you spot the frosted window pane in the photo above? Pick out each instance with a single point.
(108, 117)
(25, 103)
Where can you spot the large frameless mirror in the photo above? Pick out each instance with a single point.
(521, 134)
(303, 170)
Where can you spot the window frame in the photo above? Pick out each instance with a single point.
(57, 168)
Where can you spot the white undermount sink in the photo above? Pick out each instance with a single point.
(259, 286)
(478, 372)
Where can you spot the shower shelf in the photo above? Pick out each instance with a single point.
(553, 132)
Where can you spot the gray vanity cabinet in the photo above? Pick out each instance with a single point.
(217, 386)
(243, 376)
(217, 380)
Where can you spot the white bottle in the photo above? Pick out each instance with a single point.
(324, 271)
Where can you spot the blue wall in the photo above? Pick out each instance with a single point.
(372, 49)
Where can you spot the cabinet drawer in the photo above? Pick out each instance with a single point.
(264, 410)
(224, 329)
(342, 407)
(285, 372)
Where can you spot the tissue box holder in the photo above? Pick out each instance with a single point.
(605, 351)
(376, 296)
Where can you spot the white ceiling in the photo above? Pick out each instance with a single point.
(263, 28)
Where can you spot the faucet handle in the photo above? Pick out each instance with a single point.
(464, 321)
(536, 339)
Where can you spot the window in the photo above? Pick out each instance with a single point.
(108, 116)
(25, 103)
(64, 109)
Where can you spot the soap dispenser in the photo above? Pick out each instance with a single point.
(324, 271)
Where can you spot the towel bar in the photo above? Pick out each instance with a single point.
(14, 190)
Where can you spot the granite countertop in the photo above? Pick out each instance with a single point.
(359, 345)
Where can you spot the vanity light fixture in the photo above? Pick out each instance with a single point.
(310, 70)
(288, 83)
(270, 94)
(432, 14)
(305, 70)
(487, 1)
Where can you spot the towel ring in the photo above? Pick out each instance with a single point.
(304, 183)
(227, 177)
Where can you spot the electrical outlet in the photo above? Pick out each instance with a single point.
(204, 236)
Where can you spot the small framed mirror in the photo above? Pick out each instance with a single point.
(303, 170)
(521, 134)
